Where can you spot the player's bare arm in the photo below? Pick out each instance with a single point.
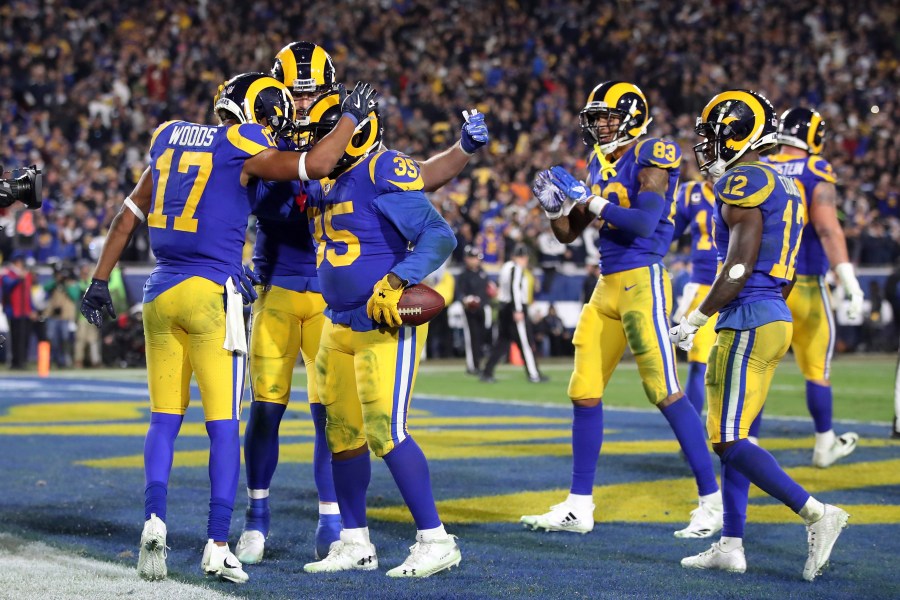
(567, 228)
(653, 179)
(276, 165)
(823, 216)
(438, 170)
(745, 226)
(132, 213)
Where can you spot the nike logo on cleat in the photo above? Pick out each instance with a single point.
(225, 562)
(365, 560)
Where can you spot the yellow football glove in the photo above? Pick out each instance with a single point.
(382, 306)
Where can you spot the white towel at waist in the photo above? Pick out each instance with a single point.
(235, 333)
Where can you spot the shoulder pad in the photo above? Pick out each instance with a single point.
(654, 152)
(746, 186)
(392, 171)
(251, 138)
(821, 168)
(159, 130)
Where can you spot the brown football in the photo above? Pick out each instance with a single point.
(419, 304)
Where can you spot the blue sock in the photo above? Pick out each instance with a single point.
(756, 424)
(159, 450)
(351, 480)
(818, 401)
(322, 456)
(735, 491)
(685, 422)
(696, 386)
(409, 468)
(762, 469)
(224, 471)
(587, 438)
(261, 443)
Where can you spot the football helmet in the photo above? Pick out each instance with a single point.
(802, 128)
(324, 115)
(609, 102)
(733, 123)
(304, 67)
(252, 97)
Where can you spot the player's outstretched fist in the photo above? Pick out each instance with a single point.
(474, 132)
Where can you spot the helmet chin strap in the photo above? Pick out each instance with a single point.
(607, 170)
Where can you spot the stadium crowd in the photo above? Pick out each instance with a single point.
(86, 82)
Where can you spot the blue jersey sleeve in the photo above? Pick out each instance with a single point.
(745, 186)
(250, 138)
(392, 171)
(682, 208)
(659, 153)
(414, 216)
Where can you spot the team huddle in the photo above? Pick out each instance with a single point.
(344, 226)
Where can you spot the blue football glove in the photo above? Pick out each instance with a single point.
(474, 132)
(97, 299)
(571, 187)
(358, 103)
(550, 197)
(244, 284)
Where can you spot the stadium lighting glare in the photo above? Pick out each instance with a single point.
(875, 109)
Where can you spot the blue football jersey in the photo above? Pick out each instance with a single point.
(367, 224)
(199, 210)
(695, 206)
(807, 173)
(758, 185)
(621, 250)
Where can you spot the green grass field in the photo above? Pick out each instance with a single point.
(863, 386)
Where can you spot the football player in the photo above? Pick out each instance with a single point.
(759, 221)
(364, 225)
(631, 188)
(287, 318)
(801, 136)
(694, 207)
(194, 198)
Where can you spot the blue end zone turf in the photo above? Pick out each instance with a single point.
(72, 469)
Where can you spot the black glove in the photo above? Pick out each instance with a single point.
(358, 103)
(95, 299)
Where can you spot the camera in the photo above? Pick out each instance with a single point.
(24, 185)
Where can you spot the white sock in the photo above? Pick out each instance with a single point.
(257, 494)
(581, 501)
(715, 498)
(824, 441)
(727, 544)
(359, 535)
(431, 535)
(812, 511)
(329, 508)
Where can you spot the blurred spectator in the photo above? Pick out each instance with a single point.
(86, 335)
(63, 293)
(472, 292)
(551, 335)
(17, 281)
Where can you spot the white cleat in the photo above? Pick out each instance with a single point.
(250, 547)
(564, 516)
(843, 446)
(152, 557)
(428, 558)
(821, 537)
(346, 555)
(219, 561)
(706, 521)
(716, 558)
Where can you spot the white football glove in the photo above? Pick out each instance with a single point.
(682, 335)
(844, 272)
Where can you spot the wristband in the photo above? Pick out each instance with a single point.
(301, 167)
(596, 204)
(697, 319)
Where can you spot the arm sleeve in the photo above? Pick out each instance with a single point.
(417, 220)
(641, 218)
(682, 219)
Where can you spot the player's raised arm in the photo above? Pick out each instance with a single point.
(438, 170)
(132, 213)
(274, 165)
